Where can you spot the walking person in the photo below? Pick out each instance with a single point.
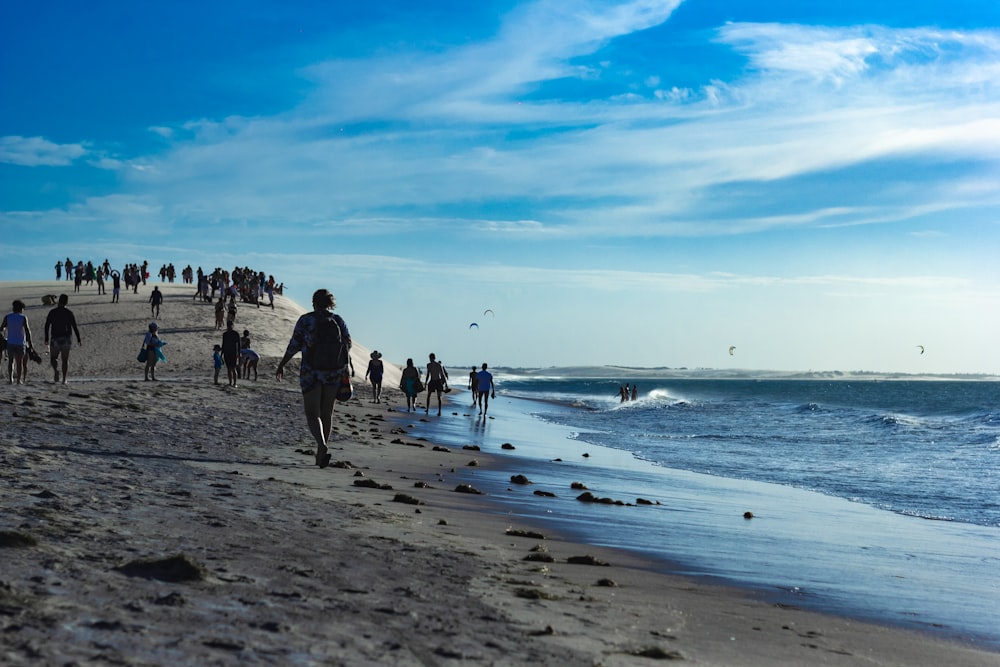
(152, 344)
(155, 299)
(484, 380)
(325, 343)
(374, 373)
(61, 324)
(410, 385)
(15, 324)
(437, 381)
(474, 386)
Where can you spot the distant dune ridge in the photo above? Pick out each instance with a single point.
(112, 332)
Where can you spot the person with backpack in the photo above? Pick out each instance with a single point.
(325, 343)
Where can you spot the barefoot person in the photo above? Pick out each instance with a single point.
(61, 325)
(231, 352)
(437, 381)
(409, 384)
(15, 324)
(474, 386)
(484, 380)
(325, 343)
(374, 373)
(155, 301)
(152, 344)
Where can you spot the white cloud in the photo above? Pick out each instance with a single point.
(422, 132)
(38, 152)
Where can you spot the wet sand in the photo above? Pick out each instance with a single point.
(181, 522)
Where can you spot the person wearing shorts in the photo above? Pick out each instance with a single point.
(231, 352)
(249, 360)
(437, 381)
(60, 323)
(486, 389)
(319, 386)
(15, 324)
(152, 343)
(374, 374)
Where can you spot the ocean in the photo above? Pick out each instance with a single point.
(877, 500)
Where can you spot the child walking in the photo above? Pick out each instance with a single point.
(217, 361)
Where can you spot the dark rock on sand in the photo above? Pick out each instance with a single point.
(586, 560)
(588, 497)
(507, 445)
(471, 448)
(580, 486)
(372, 484)
(468, 488)
(173, 569)
(610, 583)
(534, 594)
(657, 653)
(540, 558)
(530, 534)
(407, 499)
(545, 494)
(14, 539)
(519, 479)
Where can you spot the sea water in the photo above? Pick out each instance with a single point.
(878, 500)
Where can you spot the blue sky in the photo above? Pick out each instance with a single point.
(638, 183)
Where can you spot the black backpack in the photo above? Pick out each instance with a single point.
(328, 351)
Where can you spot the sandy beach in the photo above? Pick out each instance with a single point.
(182, 522)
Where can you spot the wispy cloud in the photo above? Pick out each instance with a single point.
(456, 131)
(38, 152)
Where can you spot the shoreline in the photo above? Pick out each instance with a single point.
(625, 477)
(300, 565)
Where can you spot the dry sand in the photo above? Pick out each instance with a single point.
(179, 522)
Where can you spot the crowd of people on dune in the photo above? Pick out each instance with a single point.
(321, 336)
(242, 284)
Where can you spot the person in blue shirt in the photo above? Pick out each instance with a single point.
(486, 389)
